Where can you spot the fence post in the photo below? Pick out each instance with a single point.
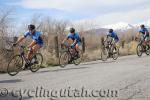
(122, 43)
(15, 39)
(132, 38)
(83, 44)
(102, 42)
(56, 46)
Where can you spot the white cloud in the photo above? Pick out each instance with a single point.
(134, 16)
(77, 5)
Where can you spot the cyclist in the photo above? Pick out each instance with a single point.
(37, 40)
(144, 34)
(112, 37)
(75, 38)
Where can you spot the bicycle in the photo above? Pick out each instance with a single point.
(69, 55)
(109, 50)
(142, 47)
(16, 64)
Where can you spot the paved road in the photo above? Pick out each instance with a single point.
(128, 78)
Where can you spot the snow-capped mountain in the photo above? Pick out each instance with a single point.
(146, 23)
(121, 26)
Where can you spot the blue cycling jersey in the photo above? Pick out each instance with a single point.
(74, 36)
(113, 35)
(35, 36)
(144, 31)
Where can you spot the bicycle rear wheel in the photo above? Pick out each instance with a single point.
(79, 59)
(139, 50)
(147, 50)
(15, 65)
(64, 59)
(115, 53)
(37, 63)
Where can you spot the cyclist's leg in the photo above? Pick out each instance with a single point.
(116, 42)
(78, 46)
(144, 39)
(36, 48)
(33, 50)
(29, 54)
(29, 57)
(147, 40)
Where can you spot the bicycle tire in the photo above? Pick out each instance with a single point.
(147, 50)
(139, 50)
(104, 54)
(64, 59)
(115, 54)
(17, 68)
(78, 60)
(35, 67)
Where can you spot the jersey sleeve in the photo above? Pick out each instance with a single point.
(68, 36)
(140, 31)
(108, 34)
(26, 34)
(36, 37)
(78, 36)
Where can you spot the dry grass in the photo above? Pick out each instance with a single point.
(95, 54)
(4, 59)
(129, 49)
(50, 59)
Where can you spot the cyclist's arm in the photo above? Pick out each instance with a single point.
(64, 40)
(20, 39)
(74, 42)
(76, 39)
(106, 38)
(137, 35)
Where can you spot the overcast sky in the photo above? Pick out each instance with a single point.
(103, 12)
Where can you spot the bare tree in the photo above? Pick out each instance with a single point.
(6, 20)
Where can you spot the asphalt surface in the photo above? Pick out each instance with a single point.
(127, 78)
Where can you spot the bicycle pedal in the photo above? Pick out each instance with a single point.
(36, 62)
(26, 66)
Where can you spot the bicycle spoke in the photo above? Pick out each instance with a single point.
(15, 65)
(37, 63)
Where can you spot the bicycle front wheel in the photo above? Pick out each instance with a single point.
(15, 65)
(64, 59)
(139, 50)
(104, 54)
(38, 62)
(79, 59)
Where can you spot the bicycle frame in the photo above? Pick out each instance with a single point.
(70, 50)
(110, 46)
(22, 53)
